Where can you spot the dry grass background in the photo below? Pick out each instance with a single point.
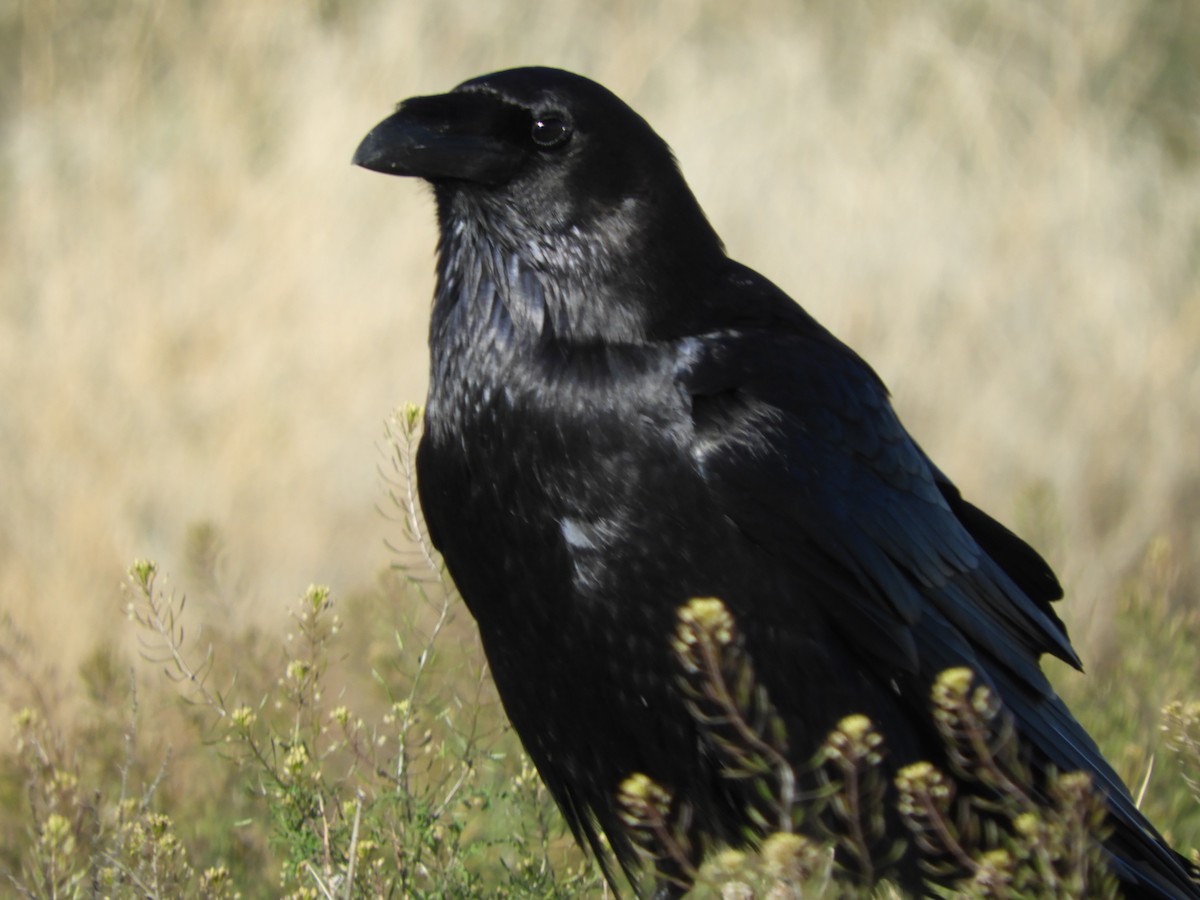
(206, 314)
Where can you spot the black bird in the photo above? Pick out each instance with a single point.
(621, 418)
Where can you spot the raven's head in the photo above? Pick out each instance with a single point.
(555, 168)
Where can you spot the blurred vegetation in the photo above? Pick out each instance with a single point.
(204, 313)
(366, 761)
(1146, 664)
(274, 785)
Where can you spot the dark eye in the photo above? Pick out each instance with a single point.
(550, 131)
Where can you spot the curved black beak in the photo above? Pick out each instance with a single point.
(465, 136)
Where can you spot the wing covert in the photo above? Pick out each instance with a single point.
(798, 439)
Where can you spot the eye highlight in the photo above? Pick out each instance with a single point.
(550, 131)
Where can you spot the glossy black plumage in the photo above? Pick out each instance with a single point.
(621, 418)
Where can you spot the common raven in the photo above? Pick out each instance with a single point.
(621, 418)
